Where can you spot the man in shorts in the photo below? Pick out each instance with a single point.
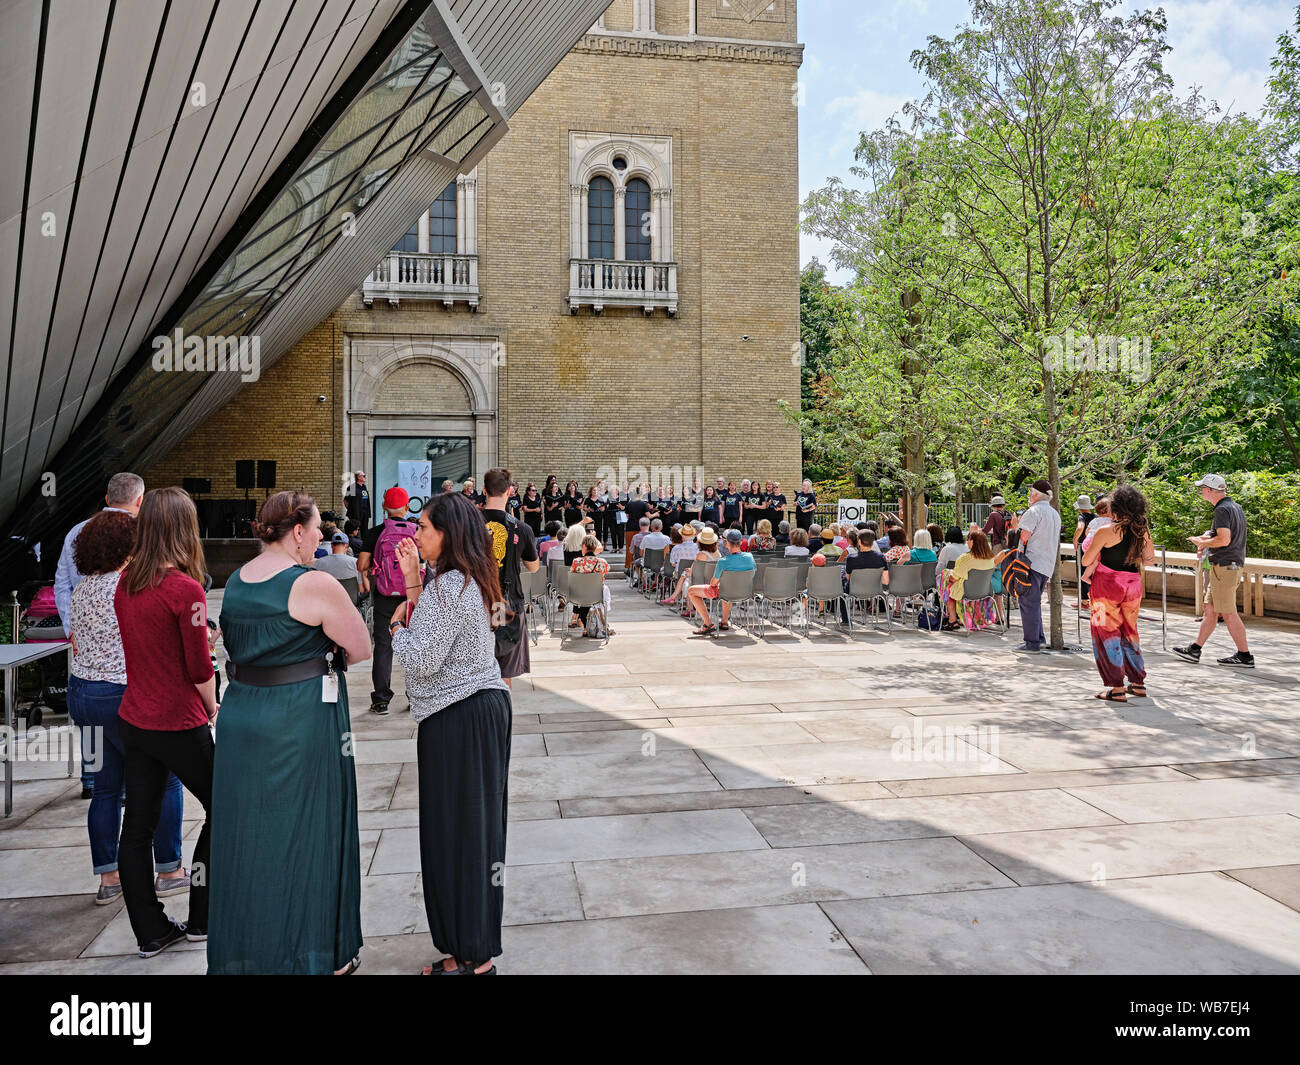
(1225, 545)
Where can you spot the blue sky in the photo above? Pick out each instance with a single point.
(856, 72)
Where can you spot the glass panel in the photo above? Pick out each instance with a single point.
(410, 241)
(449, 458)
(636, 213)
(600, 219)
(442, 222)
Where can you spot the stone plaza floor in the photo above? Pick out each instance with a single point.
(905, 803)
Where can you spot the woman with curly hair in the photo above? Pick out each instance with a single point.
(1120, 550)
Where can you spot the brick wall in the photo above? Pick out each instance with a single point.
(577, 393)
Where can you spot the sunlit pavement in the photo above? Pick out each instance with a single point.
(836, 804)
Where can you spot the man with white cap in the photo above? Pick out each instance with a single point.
(1040, 538)
(1225, 552)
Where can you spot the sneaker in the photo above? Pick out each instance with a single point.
(378, 707)
(107, 893)
(1241, 658)
(156, 946)
(196, 935)
(1025, 649)
(1191, 652)
(172, 885)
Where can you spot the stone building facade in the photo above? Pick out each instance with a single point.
(580, 302)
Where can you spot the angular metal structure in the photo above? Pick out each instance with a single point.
(228, 168)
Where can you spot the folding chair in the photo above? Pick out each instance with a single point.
(586, 590)
(825, 587)
(559, 589)
(905, 586)
(352, 585)
(683, 568)
(701, 573)
(652, 565)
(535, 587)
(866, 588)
(929, 578)
(978, 588)
(738, 590)
(780, 591)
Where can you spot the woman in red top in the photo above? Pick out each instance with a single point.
(170, 700)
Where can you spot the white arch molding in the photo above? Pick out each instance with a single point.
(370, 360)
(649, 158)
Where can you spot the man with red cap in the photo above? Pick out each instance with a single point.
(378, 562)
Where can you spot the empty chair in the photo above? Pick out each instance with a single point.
(759, 568)
(866, 589)
(535, 587)
(585, 589)
(559, 585)
(905, 586)
(780, 592)
(825, 589)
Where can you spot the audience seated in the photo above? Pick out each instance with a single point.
(922, 549)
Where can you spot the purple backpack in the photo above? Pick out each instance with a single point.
(388, 574)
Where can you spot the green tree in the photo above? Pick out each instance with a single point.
(1073, 233)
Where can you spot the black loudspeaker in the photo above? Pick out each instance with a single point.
(244, 477)
(265, 473)
(197, 486)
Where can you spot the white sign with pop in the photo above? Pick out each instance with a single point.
(852, 511)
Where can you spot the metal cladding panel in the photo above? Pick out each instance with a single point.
(518, 42)
(140, 180)
(167, 191)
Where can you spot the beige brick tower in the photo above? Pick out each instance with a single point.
(575, 305)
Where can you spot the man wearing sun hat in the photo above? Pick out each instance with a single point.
(1225, 550)
(995, 526)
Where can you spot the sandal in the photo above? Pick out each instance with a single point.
(724, 627)
(351, 967)
(1138, 690)
(1112, 696)
(705, 630)
(433, 968)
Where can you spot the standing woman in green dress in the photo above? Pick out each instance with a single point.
(284, 790)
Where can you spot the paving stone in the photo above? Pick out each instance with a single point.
(1175, 925)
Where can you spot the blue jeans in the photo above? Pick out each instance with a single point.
(92, 705)
(1031, 609)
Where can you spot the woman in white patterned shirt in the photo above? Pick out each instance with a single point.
(95, 689)
(443, 636)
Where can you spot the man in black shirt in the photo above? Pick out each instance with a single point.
(357, 502)
(1225, 546)
(515, 550)
(637, 507)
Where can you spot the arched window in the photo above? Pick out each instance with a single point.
(442, 222)
(600, 219)
(636, 214)
(410, 241)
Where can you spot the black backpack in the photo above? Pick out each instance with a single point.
(511, 632)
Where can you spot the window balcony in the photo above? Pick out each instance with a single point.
(424, 276)
(601, 283)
